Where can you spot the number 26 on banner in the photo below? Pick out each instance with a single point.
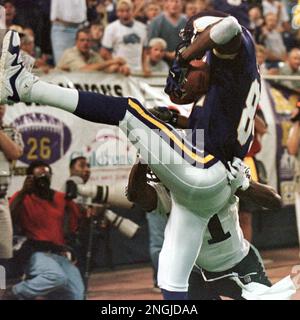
(39, 148)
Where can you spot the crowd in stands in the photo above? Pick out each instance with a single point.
(140, 36)
(125, 37)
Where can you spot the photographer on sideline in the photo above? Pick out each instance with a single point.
(39, 212)
(11, 148)
(79, 167)
(94, 202)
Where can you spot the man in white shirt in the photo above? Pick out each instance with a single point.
(82, 58)
(272, 39)
(66, 16)
(278, 8)
(126, 38)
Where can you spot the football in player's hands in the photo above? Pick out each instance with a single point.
(196, 84)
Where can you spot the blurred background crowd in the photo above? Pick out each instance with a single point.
(130, 37)
(140, 36)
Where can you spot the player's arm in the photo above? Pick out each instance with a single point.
(223, 36)
(11, 149)
(262, 195)
(260, 125)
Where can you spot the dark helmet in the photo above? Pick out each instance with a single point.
(209, 17)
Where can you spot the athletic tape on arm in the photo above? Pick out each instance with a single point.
(225, 30)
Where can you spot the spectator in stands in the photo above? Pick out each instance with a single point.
(157, 49)
(28, 47)
(256, 22)
(272, 40)
(139, 10)
(97, 31)
(255, 16)
(37, 52)
(10, 11)
(110, 8)
(152, 10)
(42, 59)
(190, 8)
(204, 5)
(83, 58)
(291, 67)
(261, 56)
(92, 12)
(279, 10)
(168, 25)
(161, 3)
(39, 211)
(66, 17)
(126, 38)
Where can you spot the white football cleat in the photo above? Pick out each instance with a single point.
(15, 81)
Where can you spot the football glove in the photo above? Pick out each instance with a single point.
(165, 115)
(238, 175)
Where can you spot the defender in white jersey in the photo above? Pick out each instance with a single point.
(224, 253)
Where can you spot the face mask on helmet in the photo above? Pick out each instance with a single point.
(186, 34)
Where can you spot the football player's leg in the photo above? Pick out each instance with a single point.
(183, 238)
(170, 158)
(199, 289)
(18, 84)
(255, 261)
